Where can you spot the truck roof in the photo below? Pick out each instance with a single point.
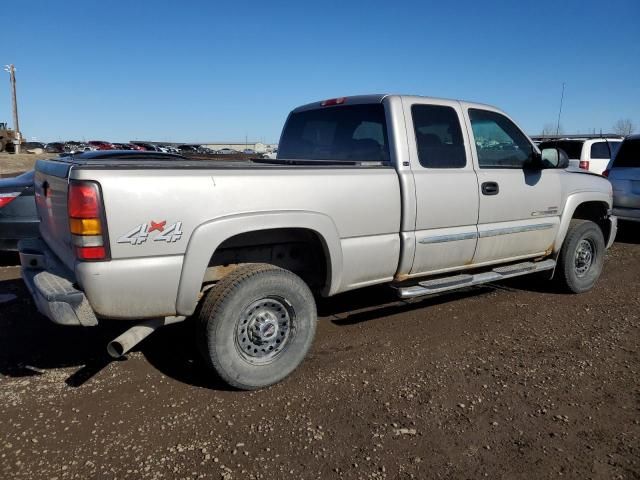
(379, 97)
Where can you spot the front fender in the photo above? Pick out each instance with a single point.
(206, 238)
(573, 202)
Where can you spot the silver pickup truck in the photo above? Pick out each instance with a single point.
(423, 194)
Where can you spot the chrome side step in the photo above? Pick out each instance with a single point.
(444, 284)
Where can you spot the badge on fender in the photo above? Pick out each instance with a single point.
(140, 233)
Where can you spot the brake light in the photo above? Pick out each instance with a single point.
(7, 198)
(84, 200)
(333, 101)
(584, 164)
(605, 173)
(91, 253)
(85, 208)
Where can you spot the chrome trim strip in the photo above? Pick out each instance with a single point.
(448, 238)
(509, 230)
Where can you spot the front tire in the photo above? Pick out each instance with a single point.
(581, 258)
(256, 325)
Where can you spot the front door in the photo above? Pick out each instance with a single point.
(519, 212)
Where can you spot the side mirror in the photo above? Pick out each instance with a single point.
(554, 158)
(534, 162)
(564, 159)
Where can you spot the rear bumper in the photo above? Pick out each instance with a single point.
(51, 285)
(629, 214)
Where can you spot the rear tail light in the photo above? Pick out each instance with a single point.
(91, 253)
(605, 173)
(7, 198)
(85, 221)
(584, 164)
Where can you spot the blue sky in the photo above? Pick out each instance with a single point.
(215, 70)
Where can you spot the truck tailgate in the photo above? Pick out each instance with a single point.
(51, 185)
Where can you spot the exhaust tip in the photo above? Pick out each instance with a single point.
(115, 349)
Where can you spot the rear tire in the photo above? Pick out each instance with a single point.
(581, 257)
(256, 325)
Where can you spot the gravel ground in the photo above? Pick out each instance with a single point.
(508, 381)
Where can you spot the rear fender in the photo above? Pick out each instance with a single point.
(207, 237)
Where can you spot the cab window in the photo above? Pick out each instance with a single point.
(499, 143)
(438, 136)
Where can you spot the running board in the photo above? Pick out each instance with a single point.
(444, 284)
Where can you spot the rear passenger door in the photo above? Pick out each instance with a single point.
(446, 186)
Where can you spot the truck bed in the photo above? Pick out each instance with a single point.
(165, 215)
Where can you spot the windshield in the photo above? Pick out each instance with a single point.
(344, 133)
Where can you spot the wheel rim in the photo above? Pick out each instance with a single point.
(265, 329)
(585, 254)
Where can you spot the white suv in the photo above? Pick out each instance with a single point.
(591, 154)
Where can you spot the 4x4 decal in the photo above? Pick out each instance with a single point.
(141, 233)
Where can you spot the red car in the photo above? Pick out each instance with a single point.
(101, 145)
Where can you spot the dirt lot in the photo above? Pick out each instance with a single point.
(10, 163)
(507, 381)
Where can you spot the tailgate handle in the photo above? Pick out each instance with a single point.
(490, 188)
(45, 188)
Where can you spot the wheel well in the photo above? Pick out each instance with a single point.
(597, 213)
(299, 250)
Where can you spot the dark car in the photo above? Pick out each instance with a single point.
(18, 216)
(54, 147)
(28, 146)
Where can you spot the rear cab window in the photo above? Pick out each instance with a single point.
(629, 154)
(337, 133)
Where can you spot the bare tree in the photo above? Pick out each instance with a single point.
(551, 129)
(624, 127)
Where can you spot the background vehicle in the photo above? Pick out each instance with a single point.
(624, 175)
(54, 147)
(593, 154)
(100, 145)
(33, 147)
(425, 195)
(227, 151)
(121, 146)
(18, 216)
(141, 146)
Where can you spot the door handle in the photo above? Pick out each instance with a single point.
(490, 188)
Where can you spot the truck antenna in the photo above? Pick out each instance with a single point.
(560, 111)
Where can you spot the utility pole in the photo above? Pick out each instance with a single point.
(16, 125)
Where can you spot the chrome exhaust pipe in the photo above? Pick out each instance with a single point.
(129, 339)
